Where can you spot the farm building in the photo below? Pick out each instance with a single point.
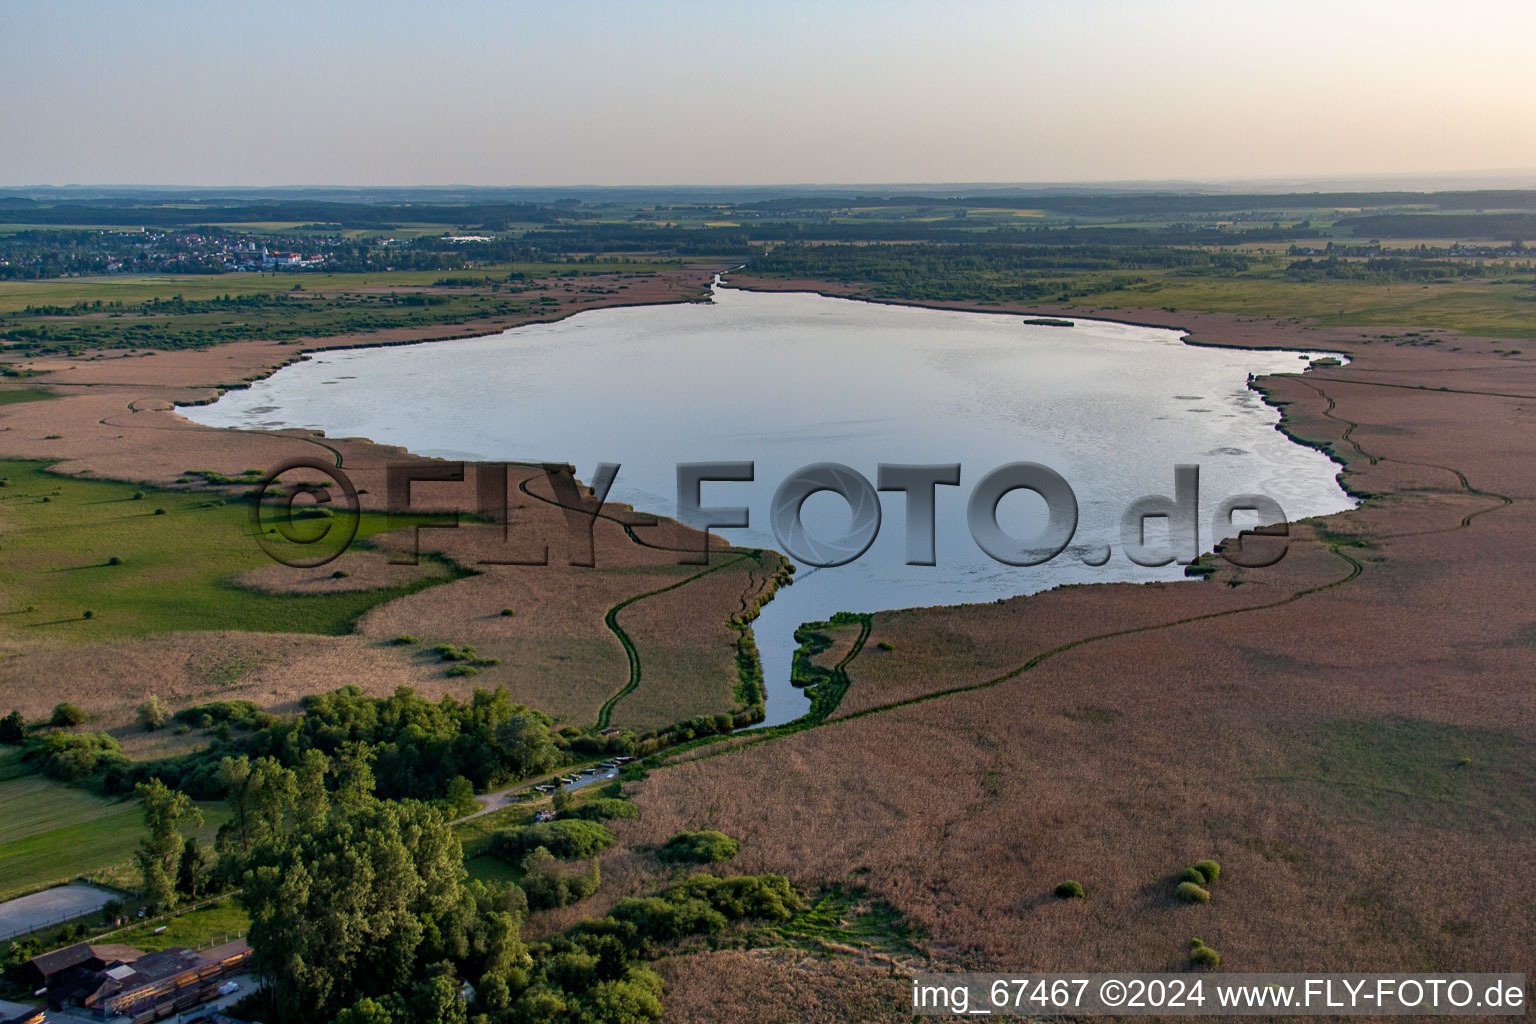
(112, 980)
(50, 969)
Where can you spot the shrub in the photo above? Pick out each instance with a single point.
(704, 903)
(886, 645)
(405, 640)
(67, 715)
(1202, 955)
(340, 574)
(71, 757)
(152, 714)
(463, 670)
(1189, 892)
(605, 809)
(548, 886)
(138, 495)
(508, 611)
(87, 614)
(566, 839)
(114, 560)
(1070, 890)
(449, 652)
(13, 728)
(159, 511)
(1209, 868)
(1191, 875)
(706, 847)
(205, 716)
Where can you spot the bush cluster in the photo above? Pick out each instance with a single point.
(548, 886)
(565, 839)
(706, 847)
(604, 809)
(241, 713)
(704, 904)
(1194, 879)
(67, 715)
(466, 655)
(152, 714)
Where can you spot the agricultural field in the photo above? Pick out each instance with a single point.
(54, 833)
(1496, 310)
(16, 296)
(176, 319)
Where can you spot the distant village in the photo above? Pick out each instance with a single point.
(39, 253)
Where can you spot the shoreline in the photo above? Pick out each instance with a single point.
(1211, 545)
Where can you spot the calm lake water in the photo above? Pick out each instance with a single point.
(785, 380)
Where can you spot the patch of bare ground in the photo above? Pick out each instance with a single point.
(779, 986)
(353, 571)
(1346, 731)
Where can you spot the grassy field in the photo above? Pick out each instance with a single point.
(16, 296)
(19, 395)
(176, 312)
(475, 834)
(1495, 310)
(54, 833)
(196, 929)
(61, 533)
(486, 868)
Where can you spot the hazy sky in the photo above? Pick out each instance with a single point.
(267, 93)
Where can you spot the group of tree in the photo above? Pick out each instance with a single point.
(362, 912)
(417, 748)
(171, 862)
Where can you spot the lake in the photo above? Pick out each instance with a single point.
(785, 380)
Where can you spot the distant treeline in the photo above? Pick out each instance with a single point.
(1384, 269)
(989, 272)
(1504, 227)
(1171, 204)
(604, 238)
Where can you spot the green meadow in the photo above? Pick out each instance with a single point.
(16, 296)
(175, 553)
(196, 929)
(19, 395)
(1500, 310)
